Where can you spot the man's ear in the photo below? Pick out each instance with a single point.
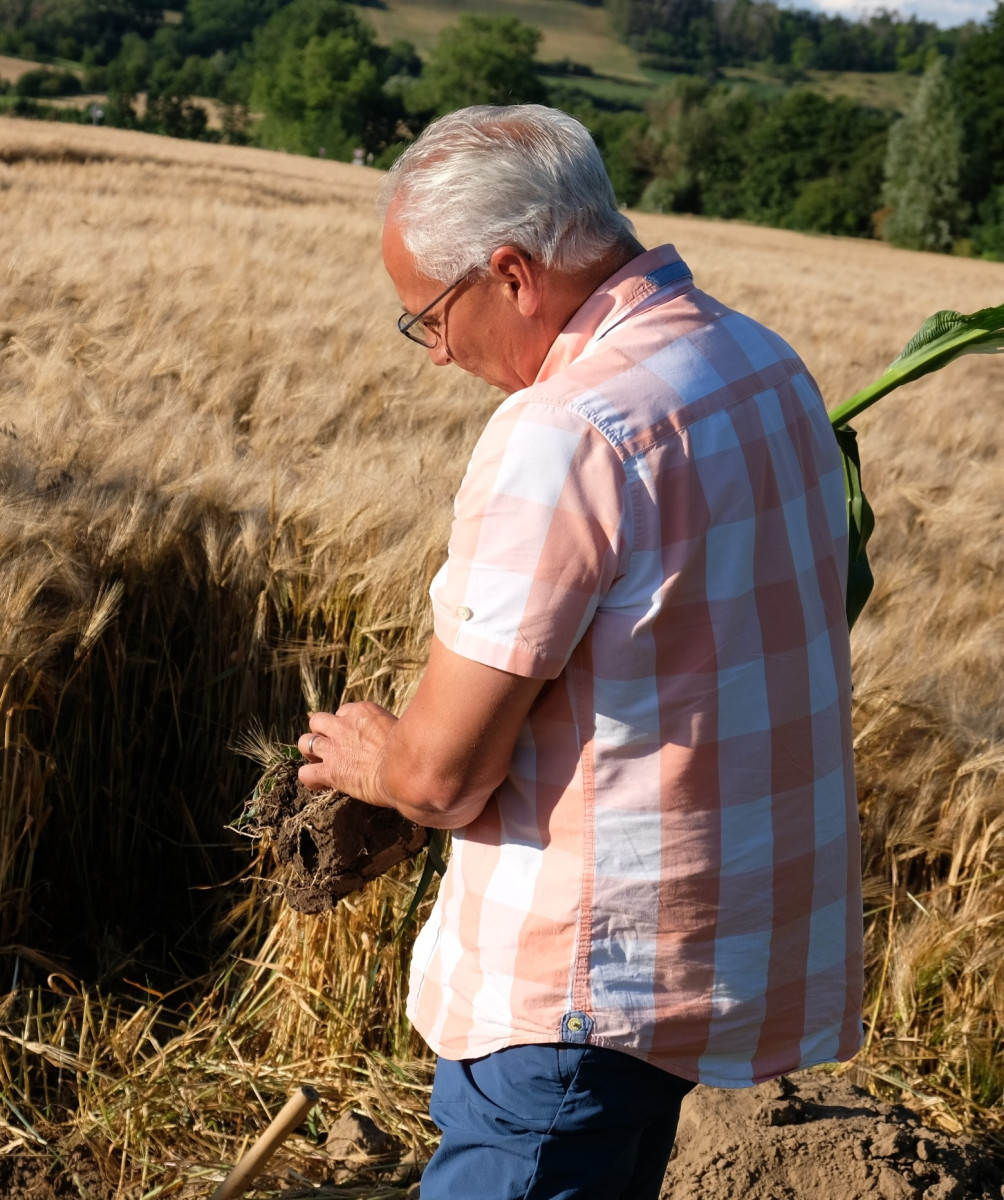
(516, 271)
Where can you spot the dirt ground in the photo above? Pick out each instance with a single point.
(30, 1176)
(812, 1136)
(815, 1136)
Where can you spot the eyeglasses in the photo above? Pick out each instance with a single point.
(413, 326)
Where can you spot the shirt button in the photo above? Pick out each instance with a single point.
(574, 1024)
(464, 613)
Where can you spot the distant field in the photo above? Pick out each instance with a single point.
(630, 93)
(888, 90)
(885, 90)
(12, 69)
(583, 34)
(572, 31)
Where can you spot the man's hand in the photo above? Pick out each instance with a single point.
(438, 764)
(344, 751)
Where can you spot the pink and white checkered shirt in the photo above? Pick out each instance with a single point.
(657, 528)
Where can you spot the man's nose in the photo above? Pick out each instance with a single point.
(439, 354)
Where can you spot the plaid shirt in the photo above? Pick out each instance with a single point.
(657, 528)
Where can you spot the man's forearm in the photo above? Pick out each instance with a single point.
(365, 751)
(440, 763)
(425, 792)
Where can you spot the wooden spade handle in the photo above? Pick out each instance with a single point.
(283, 1124)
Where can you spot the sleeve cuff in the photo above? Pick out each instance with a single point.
(457, 631)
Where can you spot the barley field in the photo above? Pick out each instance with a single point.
(225, 483)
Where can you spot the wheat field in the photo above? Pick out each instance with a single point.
(225, 483)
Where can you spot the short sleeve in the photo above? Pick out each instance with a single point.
(537, 539)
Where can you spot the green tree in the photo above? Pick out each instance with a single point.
(696, 147)
(988, 232)
(923, 168)
(798, 161)
(480, 60)
(808, 164)
(212, 25)
(978, 80)
(127, 75)
(318, 79)
(43, 82)
(97, 24)
(688, 34)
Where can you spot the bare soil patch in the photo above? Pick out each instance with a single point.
(816, 1136)
(34, 1176)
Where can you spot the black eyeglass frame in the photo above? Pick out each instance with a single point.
(406, 321)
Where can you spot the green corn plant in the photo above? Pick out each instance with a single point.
(943, 337)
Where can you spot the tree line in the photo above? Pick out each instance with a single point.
(701, 35)
(309, 76)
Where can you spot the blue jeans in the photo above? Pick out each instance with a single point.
(556, 1122)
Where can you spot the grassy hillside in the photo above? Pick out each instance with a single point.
(225, 482)
(888, 90)
(571, 31)
(582, 33)
(576, 31)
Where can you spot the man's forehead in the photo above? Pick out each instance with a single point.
(392, 240)
(400, 263)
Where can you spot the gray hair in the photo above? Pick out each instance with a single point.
(488, 176)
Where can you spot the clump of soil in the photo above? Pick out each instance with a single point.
(815, 1136)
(355, 1144)
(330, 843)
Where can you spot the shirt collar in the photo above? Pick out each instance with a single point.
(658, 273)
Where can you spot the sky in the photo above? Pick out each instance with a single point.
(946, 13)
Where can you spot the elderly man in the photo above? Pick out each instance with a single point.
(636, 710)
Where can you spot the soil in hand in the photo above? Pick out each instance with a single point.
(329, 843)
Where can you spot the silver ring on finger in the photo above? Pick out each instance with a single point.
(310, 744)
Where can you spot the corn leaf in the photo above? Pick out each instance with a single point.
(860, 523)
(942, 338)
